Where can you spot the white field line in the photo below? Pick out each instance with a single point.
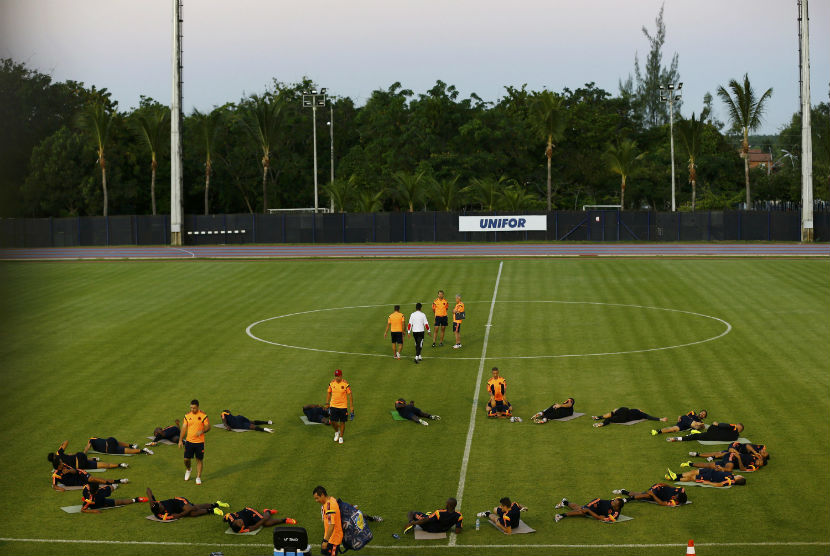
(419, 547)
(471, 429)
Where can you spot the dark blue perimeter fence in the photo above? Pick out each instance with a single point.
(401, 227)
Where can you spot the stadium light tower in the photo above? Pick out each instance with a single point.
(312, 99)
(807, 232)
(175, 130)
(331, 135)
(671, 94)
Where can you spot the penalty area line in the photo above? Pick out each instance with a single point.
(471, 429)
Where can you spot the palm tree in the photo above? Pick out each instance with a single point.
(263, 119)
(445, 193)
(621, 158)
(341, 191)
(486, 191)
(153, 125)
(207, 126)
(369, 201)
(691, 137)
(409, 188)
(745, 111)
(548, 115)
(515, 198)
(96, 120)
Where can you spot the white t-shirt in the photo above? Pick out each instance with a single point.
(417, 321)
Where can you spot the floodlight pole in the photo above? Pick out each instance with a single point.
(312, 99)
(671, 96)
(806, 134)
(331, 135)
(175, 130)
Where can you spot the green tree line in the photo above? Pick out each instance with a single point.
(68, 149)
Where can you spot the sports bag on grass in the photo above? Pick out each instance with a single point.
(356, 532)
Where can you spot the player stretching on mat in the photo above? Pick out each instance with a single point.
(175, 508)
(624, 415)
(730, 461)
(497, 405)
(95, 498)
(602, 510)
(249, 519)
(69, 476)
(556, 411)
(79, 460)
(691, 420)
(439, 521)
(711, 477)
(241, 422)
(759, 450)
(171, 434)
(505, 516)
(110, 445)
(317, 413)
(409, 411)
(717, 431)
(659, 493)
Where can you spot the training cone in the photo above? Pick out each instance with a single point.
(691, 548)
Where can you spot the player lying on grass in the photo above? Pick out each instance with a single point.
(624, 415)
(736, 447)
(110, 445)
(660, 493)
(716, 431)
(730, 461)
(232, 421)
(602, 510)
(69, 476)
(249, 519)
(317, 413)
(78, 460)
(439, 521)
(497, 406)
(409, 411)
(95, 498)
(556, 411)
(506, 515)
(691, 420)
(175, 508)
(712, 477)
(170, 433)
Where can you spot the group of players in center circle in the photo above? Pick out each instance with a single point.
(419, 325)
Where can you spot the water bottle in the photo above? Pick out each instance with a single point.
(478, 524)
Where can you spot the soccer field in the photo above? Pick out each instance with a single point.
(118, 348)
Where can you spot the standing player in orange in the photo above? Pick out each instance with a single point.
(339, 399)
(458, 316)
(332, 523)
(395, 322)
(439, 308)
(195, 426)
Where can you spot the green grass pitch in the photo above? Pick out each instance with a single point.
(117, 348)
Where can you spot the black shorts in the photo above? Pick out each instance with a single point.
(192, 449)
(397, 337)
(102, 503)
(441, 321)
(238, 422)
(338, 414)
(456, 326)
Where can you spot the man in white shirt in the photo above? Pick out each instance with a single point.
(418, 326)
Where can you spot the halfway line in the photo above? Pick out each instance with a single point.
(464, 460)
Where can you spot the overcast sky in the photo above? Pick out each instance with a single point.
(235, 48)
